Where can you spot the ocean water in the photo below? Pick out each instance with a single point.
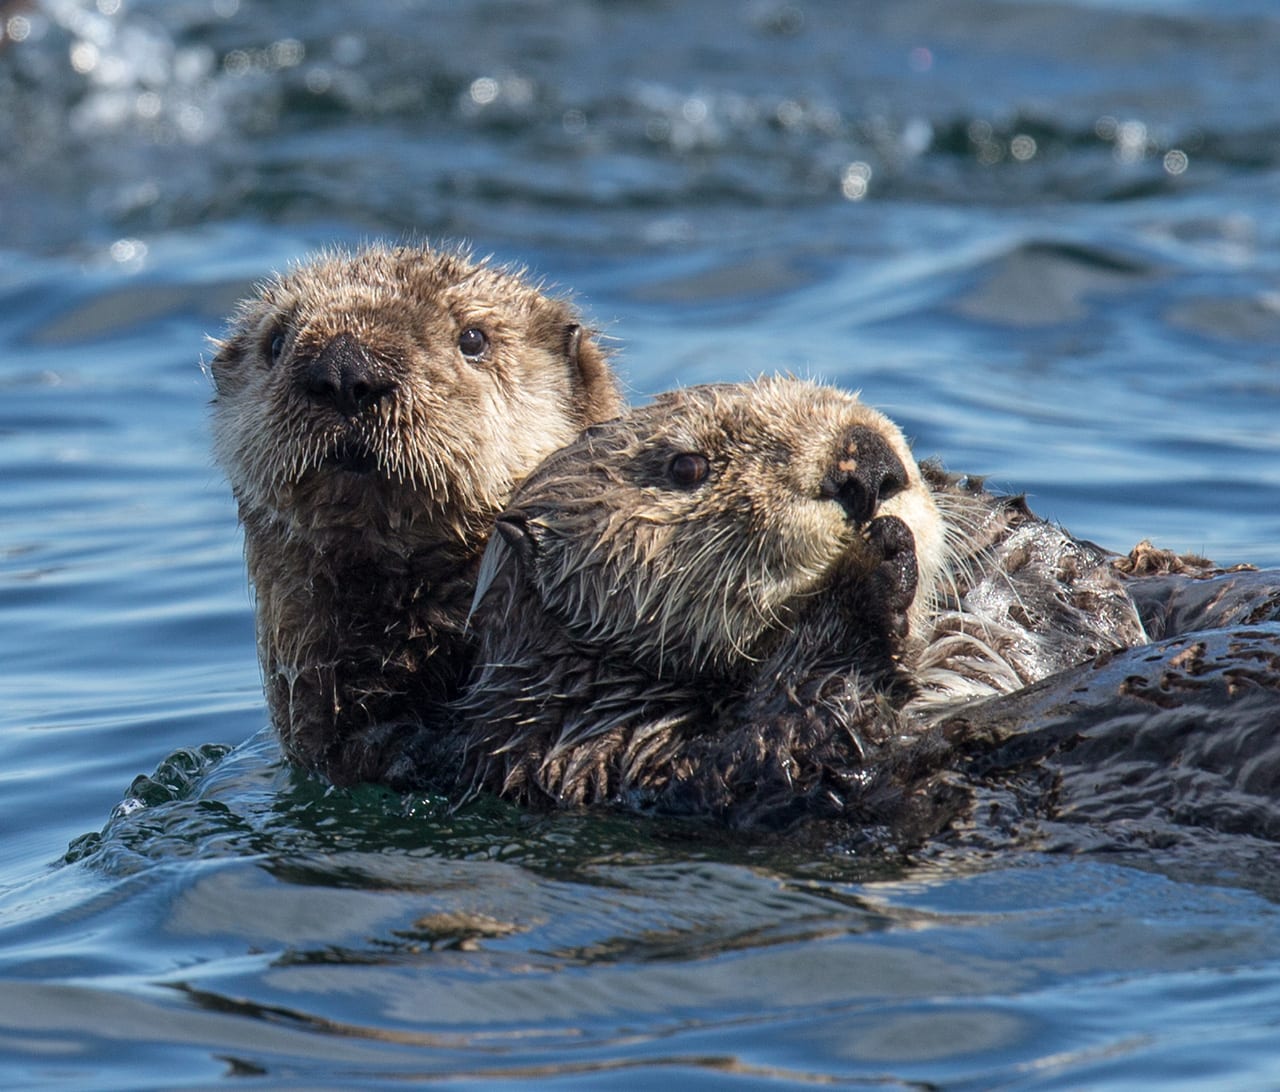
(1040, 233)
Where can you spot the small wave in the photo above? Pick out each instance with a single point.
(128, 118)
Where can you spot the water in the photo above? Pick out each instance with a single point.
(1042, 235)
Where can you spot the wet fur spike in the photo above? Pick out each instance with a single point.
(723, 645)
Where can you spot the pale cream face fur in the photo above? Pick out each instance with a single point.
(453, 437)
(632, 562)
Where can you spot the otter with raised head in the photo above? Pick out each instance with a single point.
(704, 606)
(373, 412)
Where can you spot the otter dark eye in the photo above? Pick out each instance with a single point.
(276, 348)
(473, 342)
(688, 469)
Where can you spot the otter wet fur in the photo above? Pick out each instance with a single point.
(749, 603)
(373, 411)
(1021, 598)
(704, 607)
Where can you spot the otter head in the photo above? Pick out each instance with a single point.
(394, 398)
(689, 536)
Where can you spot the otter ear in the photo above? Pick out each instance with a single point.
(220, 368)
(600, 398)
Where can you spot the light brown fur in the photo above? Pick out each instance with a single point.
(715, 648)
(368, 455)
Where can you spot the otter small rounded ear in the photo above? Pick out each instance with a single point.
(600, 398)
(572, 339)
(221, 367)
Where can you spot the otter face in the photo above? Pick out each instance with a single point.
(398, 393)
(690, 533)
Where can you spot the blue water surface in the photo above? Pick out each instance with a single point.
(1042, 235)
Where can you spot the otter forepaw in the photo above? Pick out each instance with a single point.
(893, 581)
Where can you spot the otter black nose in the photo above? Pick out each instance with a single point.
(866, 473)
(342, 376)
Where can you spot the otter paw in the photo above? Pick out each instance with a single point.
(893, 582)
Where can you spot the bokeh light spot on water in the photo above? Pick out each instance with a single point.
(988, 150)
(1131, 141)
(84, 57)
(483, 90)
(190, 120)
(17, 28)
(237, 62)
(280, 55)
(319, 80)
(193, 64)
(287, 52)
(1023, 147)
(916, 138)
(789, 113)
(148, 105)
(694, 110)
(856, 180)
(128, 252)
(1176, 161)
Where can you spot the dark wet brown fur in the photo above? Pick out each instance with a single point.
(1166, 747)
(730, 648)
(835, 716)
(368, 455)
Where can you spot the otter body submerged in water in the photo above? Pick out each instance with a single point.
(684, 611)
(372, 413)
(704, 606)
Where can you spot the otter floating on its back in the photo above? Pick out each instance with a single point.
(704, 606)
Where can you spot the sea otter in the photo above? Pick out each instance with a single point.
(373, 411)
(704, 606)
(682, 612)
